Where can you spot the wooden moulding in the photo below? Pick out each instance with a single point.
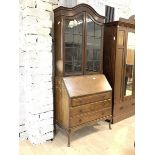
(77, 10)
(121, 23)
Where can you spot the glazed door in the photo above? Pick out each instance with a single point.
(129, 72)
(73, 45)
(93, 46)
(83, 45)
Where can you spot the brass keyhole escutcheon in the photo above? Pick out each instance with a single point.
(80, 110)
(80, 120)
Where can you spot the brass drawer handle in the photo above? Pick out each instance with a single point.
(104, 96)
(121, 108)
(103, 104)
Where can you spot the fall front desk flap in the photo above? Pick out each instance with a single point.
(86, 85)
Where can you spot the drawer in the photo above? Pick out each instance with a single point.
(90, 99)
(90, 107)
(123, 108)
(87, 117)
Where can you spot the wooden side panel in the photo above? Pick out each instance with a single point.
(65, 106)
(58, 97)
(58, 28)
(110, 36)
(118, 75)
(119, 64)
(61, 104)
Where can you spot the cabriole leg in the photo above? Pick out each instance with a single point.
(110, 124)
(68, 134)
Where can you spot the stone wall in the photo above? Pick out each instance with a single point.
(36, 70)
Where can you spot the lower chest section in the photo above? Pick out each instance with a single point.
(83, 110)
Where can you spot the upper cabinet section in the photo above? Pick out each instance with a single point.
(78, 40)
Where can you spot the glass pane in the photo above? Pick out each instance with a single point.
(97, 30)
(93, 54)
(129, 74)
(73, 45)
(90, 26)
(93, 48)
(74, 26)
(93, 29)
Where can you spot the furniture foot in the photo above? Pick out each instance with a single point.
(110, 124)
(55, 131)
(68, 134)
(55, 128)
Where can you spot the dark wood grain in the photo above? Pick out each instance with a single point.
(115, 48)
(78, 9)
(86, 85)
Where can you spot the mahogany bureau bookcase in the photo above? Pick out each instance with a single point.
(119, 68)
(82, 94)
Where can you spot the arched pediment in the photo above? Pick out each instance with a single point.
(69, 12)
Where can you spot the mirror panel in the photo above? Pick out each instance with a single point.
(130, 59)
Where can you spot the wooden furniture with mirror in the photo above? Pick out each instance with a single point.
(82, 94)
(119, 66)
